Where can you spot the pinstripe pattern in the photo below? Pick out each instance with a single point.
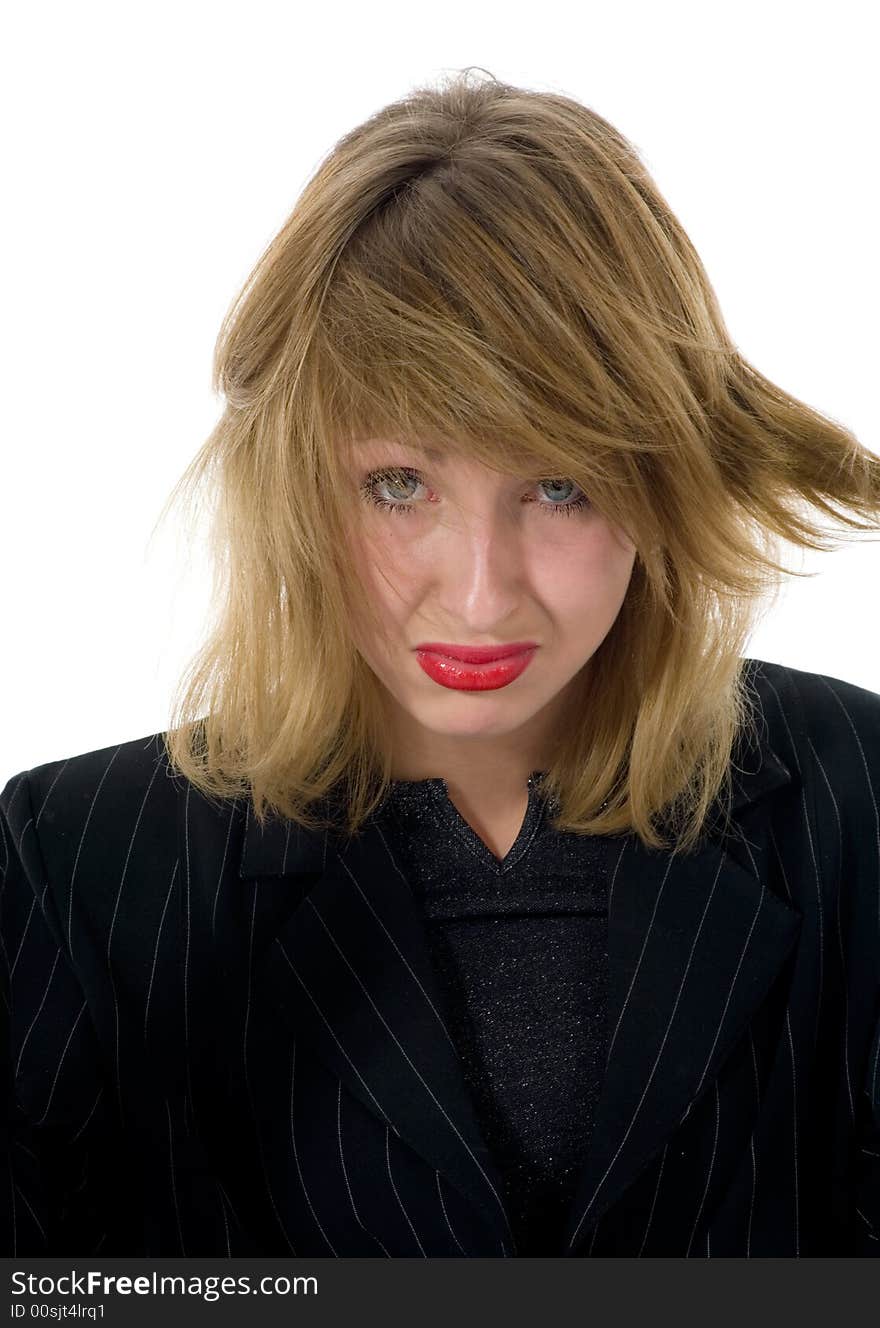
(227, 1041)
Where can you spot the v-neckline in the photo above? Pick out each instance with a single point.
(406, 790)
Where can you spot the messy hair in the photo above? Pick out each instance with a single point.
(492, 269)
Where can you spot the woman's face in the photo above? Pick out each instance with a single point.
(480, 559)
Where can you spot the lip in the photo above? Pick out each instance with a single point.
(461, 676)
(475, 654)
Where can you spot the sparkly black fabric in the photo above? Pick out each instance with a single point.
(520, 949)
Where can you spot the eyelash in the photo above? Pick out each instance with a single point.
(375, 477)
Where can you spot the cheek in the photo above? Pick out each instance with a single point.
(390, 584)
(394, 565)
(384, 551)
(622, 542)
(593, 569)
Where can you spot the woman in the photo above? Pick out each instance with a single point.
(389, 949)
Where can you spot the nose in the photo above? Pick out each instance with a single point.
(481, 566)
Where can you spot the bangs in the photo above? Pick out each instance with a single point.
(446, 328)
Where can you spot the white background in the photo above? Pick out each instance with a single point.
(151, 153)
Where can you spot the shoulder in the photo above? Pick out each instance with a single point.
(86, 803)
(115, 775)
(827, 731)
(821, 719)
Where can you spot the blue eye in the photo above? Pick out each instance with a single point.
(400, 475)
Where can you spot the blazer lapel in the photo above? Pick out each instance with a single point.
(350, 970)
(694, 945)
(695, 942)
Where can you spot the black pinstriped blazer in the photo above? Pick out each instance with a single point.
(227, 1042)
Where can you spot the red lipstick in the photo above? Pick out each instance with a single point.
(476, 654)
(464, 675)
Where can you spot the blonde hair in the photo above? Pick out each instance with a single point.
(493, 269)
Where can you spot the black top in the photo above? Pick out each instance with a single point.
(520, 950)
